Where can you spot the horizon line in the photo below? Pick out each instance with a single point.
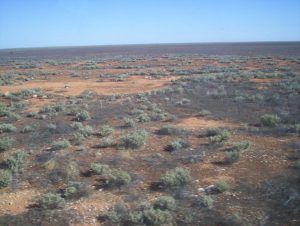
(141, 44)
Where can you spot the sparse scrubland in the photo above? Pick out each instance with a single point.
(150, 140)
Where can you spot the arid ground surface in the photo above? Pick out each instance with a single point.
(150, 135)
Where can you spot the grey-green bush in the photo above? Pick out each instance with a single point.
(270, 120)
(133, 140)
(165, 203)
(177, 177)
(74, 190)
(5, 178)
(61, 144)
(82, 116)
(15, 162)
(6, 143)
(105, 131)
(51, 200)
(7, 128)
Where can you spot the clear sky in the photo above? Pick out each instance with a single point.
(38, 23)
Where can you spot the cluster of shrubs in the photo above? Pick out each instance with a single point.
(11, 165)
(217, 135)
(57, 200)
(113, 177)
(232, 154)
(82, 132)
(52, 109)
(176, 145)
(160, 212)
(8, 113)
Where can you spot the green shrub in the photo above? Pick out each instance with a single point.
(111, 216)
(27, 129)
(204, 113)
(165, 203)
(82, 116)
(7, 128)
(133, 140)
(13, 116)
(270, 120)
(118, 178)
(15, 162)
(5, 178)
(105, 142)
(231, 156)
(100, 169)
(52, 108)
(208, 202)
(84, 130)
(222, 185)
(51, 127)
(175, 145)
(221, 137)
(6, 143)
(33, 115)
(129, 123)
(144, 118)
(213, 132)
(61, 144)
(239, 146)
(176, 177)
(167, 130)
(74, 190)
(157, 116)
(77, 139)
(157, 217)
(105, 131)
(293, 128)
(51, 200)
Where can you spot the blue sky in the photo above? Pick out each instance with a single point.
(38, 23)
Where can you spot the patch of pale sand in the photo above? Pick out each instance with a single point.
(74, 86)
(16, 202)
(200, 123)
(89, 208)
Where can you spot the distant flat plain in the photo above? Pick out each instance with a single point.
(239, 49)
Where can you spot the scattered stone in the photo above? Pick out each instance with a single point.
(211, 189)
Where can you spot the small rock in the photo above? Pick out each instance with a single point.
(211, 189)
(201, 190)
